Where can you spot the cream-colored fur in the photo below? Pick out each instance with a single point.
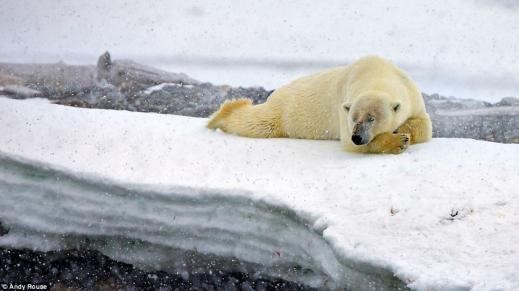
(371, 99)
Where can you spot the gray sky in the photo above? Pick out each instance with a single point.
(475, 40)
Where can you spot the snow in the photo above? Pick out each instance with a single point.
(19, 90)
(442, 215)
(269, 43)
(161, 86)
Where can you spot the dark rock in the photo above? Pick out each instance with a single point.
(91, 270)
(508, 101)
(474, 119)
(130, 77)
(53, 81)
(3, 229)
(190, 100)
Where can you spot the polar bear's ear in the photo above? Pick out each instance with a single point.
(396, 106)
(346, 106)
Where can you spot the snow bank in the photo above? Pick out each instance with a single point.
(161, 191)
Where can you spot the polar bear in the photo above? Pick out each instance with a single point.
(371, 106)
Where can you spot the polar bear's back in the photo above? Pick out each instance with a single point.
(310, 104)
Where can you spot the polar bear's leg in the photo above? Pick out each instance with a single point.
(419, 128)
(388, 143)
(414, 130)
(242, 118)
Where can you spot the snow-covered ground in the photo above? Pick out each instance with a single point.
(465, 49)
(155, 190)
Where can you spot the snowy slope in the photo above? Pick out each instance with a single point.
(443, 215)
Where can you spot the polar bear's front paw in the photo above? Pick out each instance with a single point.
(405, 140)
(390, 143)
(397, 144)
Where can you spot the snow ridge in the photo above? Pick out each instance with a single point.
(174, 230)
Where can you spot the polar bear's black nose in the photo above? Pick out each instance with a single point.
(356, 139)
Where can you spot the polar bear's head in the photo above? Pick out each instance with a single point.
(371, 114)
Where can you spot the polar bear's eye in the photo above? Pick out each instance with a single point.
(395, 108)
(346, 107)
(371, 119)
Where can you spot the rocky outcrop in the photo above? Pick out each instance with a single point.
(482, 120)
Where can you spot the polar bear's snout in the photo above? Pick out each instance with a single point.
(357, 139)
(360, 134)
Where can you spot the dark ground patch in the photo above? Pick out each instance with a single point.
(91, 270)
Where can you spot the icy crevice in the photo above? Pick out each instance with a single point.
(172, 229)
